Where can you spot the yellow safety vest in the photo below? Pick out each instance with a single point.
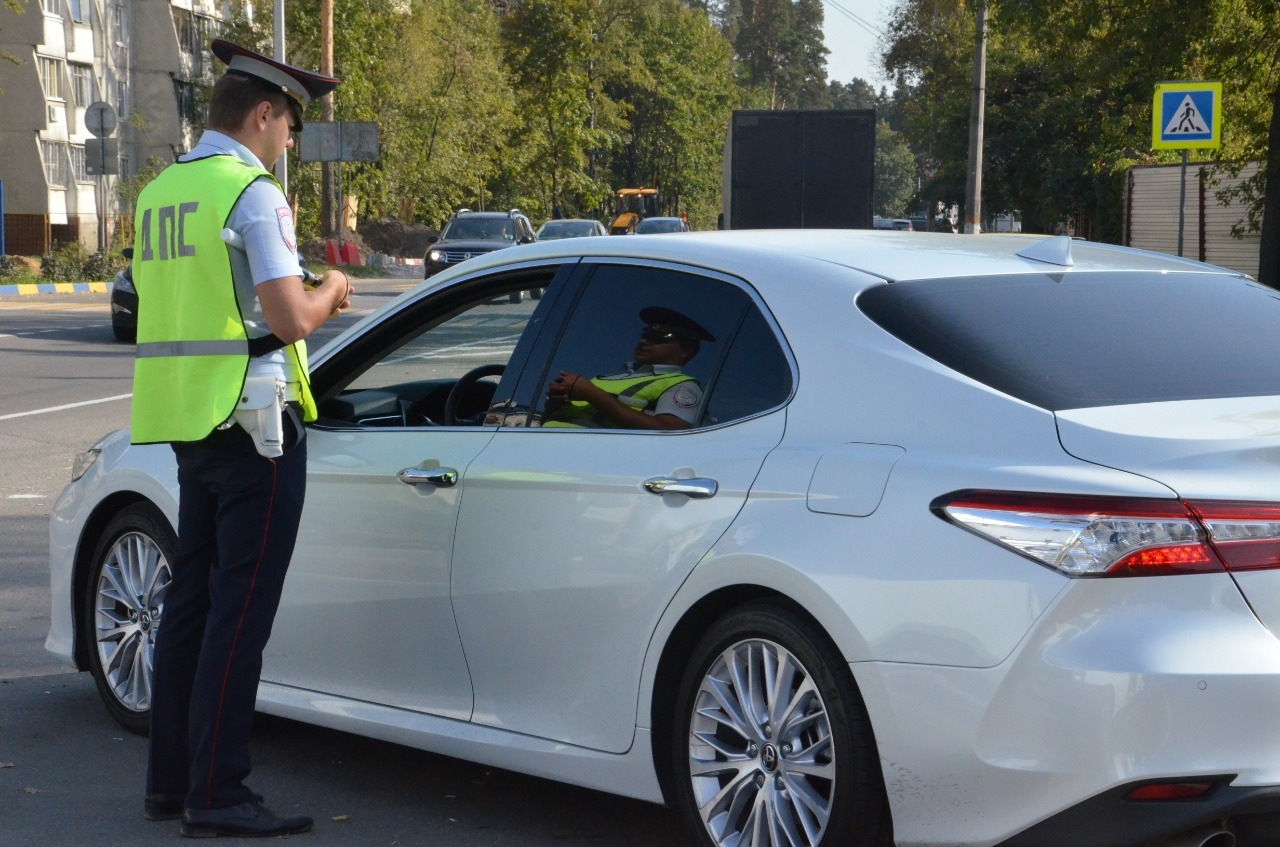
(193, 348)
(640, 392)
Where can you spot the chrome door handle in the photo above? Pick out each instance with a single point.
(697, 488)
(439, 477)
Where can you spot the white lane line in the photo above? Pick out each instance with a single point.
(67, 406)
(27, 497)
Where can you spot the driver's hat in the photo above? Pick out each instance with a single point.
(301, 86)
(669, 320)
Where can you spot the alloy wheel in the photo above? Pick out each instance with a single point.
(128, 601)
(761, 757)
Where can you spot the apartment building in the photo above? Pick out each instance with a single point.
(145, 58)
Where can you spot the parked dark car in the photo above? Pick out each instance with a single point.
(469, 234)
(124, 302)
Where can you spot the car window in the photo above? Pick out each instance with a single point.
(1079, 340)
(625, 312)
(419, 359)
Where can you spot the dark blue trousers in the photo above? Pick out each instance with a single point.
(238, 516)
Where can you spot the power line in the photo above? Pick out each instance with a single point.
(860, 21)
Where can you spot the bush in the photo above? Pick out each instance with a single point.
(73, 263)
(10, 268)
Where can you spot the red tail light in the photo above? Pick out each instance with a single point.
(1121, 536)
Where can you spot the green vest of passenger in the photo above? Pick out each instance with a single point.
(193, 349)
(639, 392)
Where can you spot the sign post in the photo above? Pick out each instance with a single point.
(339, 141)
(1186, 115)
(100, 120)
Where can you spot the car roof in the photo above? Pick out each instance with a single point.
(885, 254)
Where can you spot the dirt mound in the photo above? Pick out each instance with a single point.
(396, 238)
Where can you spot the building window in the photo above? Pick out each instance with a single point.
(51, 77)
(78, 169)
(185, 93)
(122, 90)
(117, 22)
(52, 7)
(80, 11)
(185, 28)
(56, 164)
(82, 84)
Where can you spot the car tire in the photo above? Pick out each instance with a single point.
(516, 296)
(123, 333)
(745, 768)
(121, 608)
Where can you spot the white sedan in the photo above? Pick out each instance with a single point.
(972, 540)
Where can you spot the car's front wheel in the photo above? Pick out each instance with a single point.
(122, 606)
(772, 745)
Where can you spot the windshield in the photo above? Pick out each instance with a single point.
(660, 225)
(552, 230)
(480, 229)
(1079, 340)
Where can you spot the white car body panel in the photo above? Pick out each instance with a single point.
(587, 560)
(340, 602)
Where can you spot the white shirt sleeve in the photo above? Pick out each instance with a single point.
(683, 400)
(263, 218)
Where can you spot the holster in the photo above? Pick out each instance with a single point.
(260, 413)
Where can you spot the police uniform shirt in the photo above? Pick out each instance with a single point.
(262, 217)
(682, 400)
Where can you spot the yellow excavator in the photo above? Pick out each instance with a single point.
(631, 206)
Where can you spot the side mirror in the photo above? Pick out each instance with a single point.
(127, 253)
(432, 239)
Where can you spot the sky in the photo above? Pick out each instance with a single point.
(853, 48)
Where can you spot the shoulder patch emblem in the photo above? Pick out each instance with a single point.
(286, 227)
(685, 397)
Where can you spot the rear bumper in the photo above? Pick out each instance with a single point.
(1121, 682)
(1111, 820)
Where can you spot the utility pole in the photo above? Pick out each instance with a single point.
(329, 215)
(277, 39)
(977, 106)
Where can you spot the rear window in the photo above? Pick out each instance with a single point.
(1078, 340)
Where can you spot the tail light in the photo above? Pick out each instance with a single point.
(1121, 536)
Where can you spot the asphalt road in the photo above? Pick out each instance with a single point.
(70, 776)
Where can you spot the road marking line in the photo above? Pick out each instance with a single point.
(61, 408)
(27, 497)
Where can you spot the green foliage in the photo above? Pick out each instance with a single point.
(895, 172)
(73, 263)
(11, 268)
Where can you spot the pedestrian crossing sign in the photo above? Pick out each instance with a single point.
(1186, 115)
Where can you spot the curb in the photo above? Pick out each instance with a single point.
(26, 289)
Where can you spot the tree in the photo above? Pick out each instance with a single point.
(679, 101)
(779, 45)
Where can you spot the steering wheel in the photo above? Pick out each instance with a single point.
(462, 386)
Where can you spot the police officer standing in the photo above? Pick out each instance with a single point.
(221, 375)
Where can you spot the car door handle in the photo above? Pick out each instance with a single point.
(697, 487)
(439, 477)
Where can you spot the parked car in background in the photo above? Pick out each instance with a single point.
(570, 228)
(903, 224)
(965, 541)
(469, 234)
(124, 301)
(649, 226)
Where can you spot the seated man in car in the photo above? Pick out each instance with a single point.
(651, 392)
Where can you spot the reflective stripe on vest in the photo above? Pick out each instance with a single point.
(646, 388)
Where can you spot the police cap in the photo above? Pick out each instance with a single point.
(301, 86)
(669, 320)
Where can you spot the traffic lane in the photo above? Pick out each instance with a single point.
(72, 771)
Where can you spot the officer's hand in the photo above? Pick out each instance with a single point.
(342, 283)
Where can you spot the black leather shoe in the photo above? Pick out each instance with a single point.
(162, 807)
(247, 820)
(167, 807)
